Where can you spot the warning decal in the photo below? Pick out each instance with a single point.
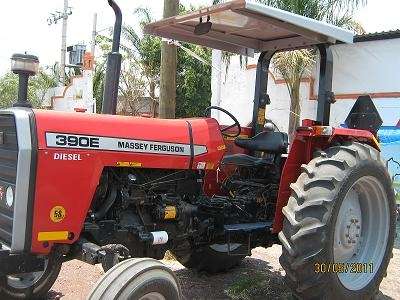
(57, 214)
(74, 141)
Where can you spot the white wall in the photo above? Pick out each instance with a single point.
(367, 67)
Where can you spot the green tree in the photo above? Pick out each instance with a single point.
(193, 91)
(293, 65)
(38, 85)
(141, 64)
(143, 52)
(98, 84)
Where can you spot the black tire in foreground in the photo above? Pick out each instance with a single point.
(137, 278)
(33, 285)
(214, 258)
(339, 225)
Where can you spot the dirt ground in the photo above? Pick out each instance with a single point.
(258, 277)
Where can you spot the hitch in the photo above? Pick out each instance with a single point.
(108, 255)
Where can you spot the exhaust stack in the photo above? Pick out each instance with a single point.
(114, 59)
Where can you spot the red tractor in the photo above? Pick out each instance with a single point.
(104, 188)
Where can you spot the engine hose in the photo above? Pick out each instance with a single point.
(106, 205)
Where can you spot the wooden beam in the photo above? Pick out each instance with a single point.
(225, 37)
(291, 43)
(182, 35)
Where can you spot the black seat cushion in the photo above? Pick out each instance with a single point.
(272, 142)
(245, 160)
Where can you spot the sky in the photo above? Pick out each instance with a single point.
(23, 23)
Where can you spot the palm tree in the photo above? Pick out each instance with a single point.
(145, 50)
(293, 65)
(141, 54)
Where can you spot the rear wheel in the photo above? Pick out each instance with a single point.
(33, 285)
(214, 258)
(338, 230)
(137, 279)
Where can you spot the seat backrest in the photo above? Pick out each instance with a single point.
(272, 142)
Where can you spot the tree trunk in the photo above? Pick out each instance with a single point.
(168, 68)
(294, 119)
(153, 98)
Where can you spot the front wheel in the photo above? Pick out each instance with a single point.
(137, 279)
(339, 225)
(33, 285)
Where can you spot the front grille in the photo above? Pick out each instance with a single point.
(8, 173)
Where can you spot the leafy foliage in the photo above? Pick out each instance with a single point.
(98, 84)
(396, 185)
(142, 63)
(38, 85)
(193, 92)
(293, 66)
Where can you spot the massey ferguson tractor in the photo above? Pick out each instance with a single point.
(121, 190)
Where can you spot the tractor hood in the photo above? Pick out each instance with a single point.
(245, 27)
(181, 143)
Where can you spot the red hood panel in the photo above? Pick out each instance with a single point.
(126, 134)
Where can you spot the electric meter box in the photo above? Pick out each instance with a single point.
(76, 54)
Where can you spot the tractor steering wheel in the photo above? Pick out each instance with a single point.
(207, 113)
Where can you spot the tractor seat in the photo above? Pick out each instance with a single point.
(246, 160)
(271, 142)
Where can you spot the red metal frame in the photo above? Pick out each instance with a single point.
(72, 183)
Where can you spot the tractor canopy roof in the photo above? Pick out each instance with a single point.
(246, 27)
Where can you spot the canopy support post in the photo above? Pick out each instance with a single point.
(261, 98)
(325, 94)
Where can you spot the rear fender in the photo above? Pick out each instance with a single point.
(308, 139)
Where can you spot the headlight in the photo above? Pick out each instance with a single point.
(9, 196)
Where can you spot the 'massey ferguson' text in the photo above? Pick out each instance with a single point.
(151, 147)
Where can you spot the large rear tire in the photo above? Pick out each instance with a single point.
(214, 258)
(137, 279)
(339, 225)
(32, 285)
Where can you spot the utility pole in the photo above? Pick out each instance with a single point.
(64, 43)
(53, 19)
(94, 34)
(168, 68)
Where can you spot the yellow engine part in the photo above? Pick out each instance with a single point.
(170, 212)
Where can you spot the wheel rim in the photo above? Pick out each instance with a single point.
(152, 296)
(26, 280)
(361, 233)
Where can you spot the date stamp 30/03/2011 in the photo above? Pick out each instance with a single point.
(344, 267)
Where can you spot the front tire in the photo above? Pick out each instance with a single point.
(32, 285)
(339, 225)
(137, 278)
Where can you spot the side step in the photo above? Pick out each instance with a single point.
(247, 229)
